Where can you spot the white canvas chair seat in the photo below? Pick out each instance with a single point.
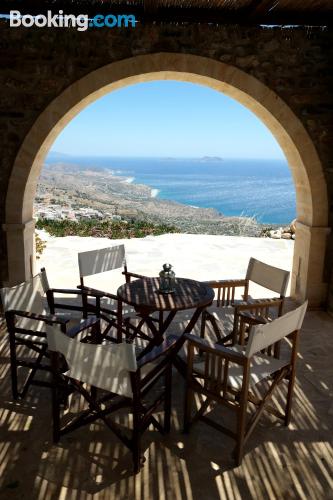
(139, 345)
(106, 367)
(262, 366)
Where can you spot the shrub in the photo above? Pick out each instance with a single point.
(104, 229)
(40, 246)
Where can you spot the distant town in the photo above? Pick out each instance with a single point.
(59, 212)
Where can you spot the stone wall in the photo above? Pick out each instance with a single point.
(38, 64)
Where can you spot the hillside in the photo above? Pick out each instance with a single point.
(75, 186)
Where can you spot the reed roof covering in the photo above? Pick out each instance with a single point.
(268, 12)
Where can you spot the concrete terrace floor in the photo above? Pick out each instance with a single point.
(279, 462)
(195, 256)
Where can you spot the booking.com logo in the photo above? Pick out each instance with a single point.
(60, 20)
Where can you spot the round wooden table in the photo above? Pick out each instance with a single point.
(145, 297)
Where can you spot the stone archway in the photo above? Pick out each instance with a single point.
(310, 184)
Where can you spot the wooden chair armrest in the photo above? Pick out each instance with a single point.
(225, 283)
(253, 319)
(69, 291)
(133, 275)
(48, 318)
(207, 346)
(258, 304)
(94, 292)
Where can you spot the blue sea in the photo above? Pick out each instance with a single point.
(263, 189)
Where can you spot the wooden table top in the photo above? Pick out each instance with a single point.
(144, 294)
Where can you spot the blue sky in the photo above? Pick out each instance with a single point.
(167, 118)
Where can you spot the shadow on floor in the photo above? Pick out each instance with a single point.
(91, 463)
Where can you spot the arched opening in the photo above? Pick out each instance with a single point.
(310, 185)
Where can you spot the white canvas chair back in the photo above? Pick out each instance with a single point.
(263, 336)
(27, 296)
(102, 260)
(269, 277)
(104, 366)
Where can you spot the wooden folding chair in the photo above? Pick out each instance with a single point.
(231, 317)
(105, 304)
(26, 317)
(227, 376)
(109, 377)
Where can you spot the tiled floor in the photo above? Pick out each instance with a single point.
(90, 463)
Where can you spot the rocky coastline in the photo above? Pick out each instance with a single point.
(73, 187)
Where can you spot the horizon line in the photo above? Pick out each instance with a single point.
(166, 157)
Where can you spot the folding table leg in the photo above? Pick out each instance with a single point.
(167, 401)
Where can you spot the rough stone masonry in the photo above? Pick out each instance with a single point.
(39, 63)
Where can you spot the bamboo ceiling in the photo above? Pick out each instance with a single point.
(270, 12)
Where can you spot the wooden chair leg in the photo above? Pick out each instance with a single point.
(96, 333)
(289, 398)
(55, 413)
(13, 367)
(136, 440)
(203, 324)
(189, 396)
(292, 375)
(277, 350)
(55, 397)
(241, 424)
(167, 401)
(239, 450)
(84, 306)
(93, 392)
(215, 327)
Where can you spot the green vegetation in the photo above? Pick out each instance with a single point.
(40, 246)
(104, 229)
(264, 233)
